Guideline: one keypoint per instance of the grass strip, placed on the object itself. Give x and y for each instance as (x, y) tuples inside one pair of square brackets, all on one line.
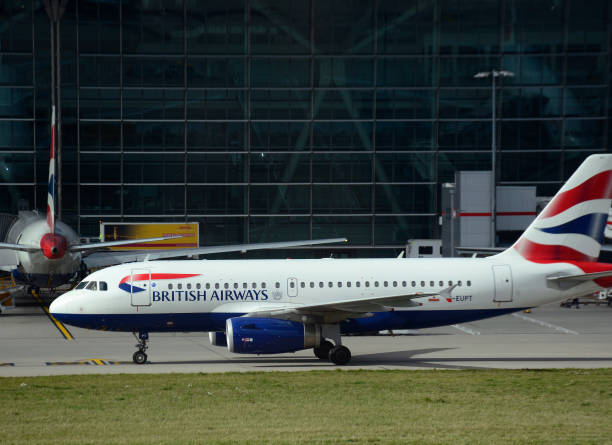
[(450, 407)]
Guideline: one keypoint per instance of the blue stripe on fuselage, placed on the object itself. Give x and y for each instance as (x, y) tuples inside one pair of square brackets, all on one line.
[(202, 322)]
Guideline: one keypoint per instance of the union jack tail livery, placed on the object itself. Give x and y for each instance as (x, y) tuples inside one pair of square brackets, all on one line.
[(571, 227), (51, 192)]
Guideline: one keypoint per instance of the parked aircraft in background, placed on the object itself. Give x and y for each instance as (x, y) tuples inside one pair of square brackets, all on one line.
[(278, 306), (46, 253)]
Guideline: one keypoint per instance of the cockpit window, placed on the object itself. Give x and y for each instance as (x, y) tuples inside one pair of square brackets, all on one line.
[(103, 285), (82, 284), (93, 285)]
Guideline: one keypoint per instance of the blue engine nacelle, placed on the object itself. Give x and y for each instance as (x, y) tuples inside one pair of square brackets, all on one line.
[(253, 335), (217, 338)]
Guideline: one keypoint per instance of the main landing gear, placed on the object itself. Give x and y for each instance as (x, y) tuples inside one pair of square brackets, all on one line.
[(338, 354), (140, 356)]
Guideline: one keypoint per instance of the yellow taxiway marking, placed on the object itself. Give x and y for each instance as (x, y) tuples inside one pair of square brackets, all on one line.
[(58, 324), (90, 361)]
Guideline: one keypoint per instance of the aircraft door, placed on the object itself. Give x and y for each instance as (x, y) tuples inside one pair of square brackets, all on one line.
[(502, 275), (292, 287), (140, 287)]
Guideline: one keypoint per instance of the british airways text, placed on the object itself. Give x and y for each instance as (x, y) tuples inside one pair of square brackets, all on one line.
[(202, 295)]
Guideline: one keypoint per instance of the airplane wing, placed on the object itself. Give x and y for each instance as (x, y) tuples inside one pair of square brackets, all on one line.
[(99, 259), (106, 244), (19, 247), (337, 311)]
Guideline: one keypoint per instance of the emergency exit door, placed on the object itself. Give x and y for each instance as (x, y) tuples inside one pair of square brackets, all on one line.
[(292, 287), (502, 276), (140, 287)]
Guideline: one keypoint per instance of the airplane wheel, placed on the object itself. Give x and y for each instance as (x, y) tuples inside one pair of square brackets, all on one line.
[(340, 355), (322, 351), (139, 357)]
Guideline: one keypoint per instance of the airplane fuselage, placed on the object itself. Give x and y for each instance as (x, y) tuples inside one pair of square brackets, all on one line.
[(201, 295)]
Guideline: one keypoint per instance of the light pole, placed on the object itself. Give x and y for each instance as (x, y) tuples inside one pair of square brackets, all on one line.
[(493, 74)]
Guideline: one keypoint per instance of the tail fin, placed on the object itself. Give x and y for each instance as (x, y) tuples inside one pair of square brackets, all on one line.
[(571, 227), (51, 192)]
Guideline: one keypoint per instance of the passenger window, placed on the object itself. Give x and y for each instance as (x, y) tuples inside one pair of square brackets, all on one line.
[(320, 283), (450, 283), (225, 285), (207, 285), (291, 284), (358, 284), (403, 284), (170, 286), (93, 285), (339, 283), (348, 284), (244, 285), (198, 286), (188, 285), (431, 283), (103, 285), (277, 285), (263, 285), (330, 284), (441, 283), (216, 285), (302, 285), (395, 284), (413, 283), (459, 283), (375, 283), (312, 284), (254, 286), (82, 284), (179, 286), (469, 283), (385, 284), (422, 283), (367, 284), (235, 285)]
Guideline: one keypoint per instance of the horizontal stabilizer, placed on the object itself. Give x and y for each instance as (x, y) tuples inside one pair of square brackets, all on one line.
[(581, 277), (107, 244)]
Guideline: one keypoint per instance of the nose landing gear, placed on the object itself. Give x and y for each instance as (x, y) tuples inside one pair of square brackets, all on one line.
[(140, 356)]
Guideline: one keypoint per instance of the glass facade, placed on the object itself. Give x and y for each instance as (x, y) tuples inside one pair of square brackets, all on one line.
[(270, 120)]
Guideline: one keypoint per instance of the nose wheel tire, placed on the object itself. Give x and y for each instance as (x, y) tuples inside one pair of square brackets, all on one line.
[(139, 357), (322, 351), (340, 355)]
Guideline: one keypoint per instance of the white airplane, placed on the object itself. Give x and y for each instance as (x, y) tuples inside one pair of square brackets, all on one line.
[(46, 253), (278, 306)]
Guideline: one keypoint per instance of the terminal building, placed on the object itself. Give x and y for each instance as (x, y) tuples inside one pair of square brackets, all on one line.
[(271, 120)]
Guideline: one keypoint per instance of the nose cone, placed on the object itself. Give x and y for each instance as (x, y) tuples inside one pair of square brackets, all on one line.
[(63, 305), (53, 246)]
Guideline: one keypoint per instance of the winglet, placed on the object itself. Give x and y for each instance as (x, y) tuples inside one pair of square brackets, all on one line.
[(51, 192)]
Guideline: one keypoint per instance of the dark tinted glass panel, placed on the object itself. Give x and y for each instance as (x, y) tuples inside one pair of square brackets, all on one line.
[(399, 229), (571, 161), (16, 167), (216, 27), (216, 168), (449, 163), (405, 72), (16, 102), (343, 104), (404, 167), (153, 72), (153, 199), (16, 32), (341, 199), (532, 102), (469, 26), (100, 136), (216, 104), (215, 72), (216, 199), (280, 104), (221, 230), (21, 196), (533, 27), (153, 136), (215, 136), (16, 70), (414, 198), (343, 72), (341, 167), (280, 27), (274, 167), (280, 72), (465, 103), (100, 199), (357, 229), (100, 103), (98, 24), (530, 134), (460, 71), (586, 70), (153, 27), (154, 168), (271, 199), (584, 102), (343, 27), (586, 30), (404, 136), (99, 71), (278, 228), (532, 70), (584, 133), (342, 136), (533, 167), (267, 136), (406, 29), (16, 135), (100, 167), (405, 104), (153, 104), (465, 135)]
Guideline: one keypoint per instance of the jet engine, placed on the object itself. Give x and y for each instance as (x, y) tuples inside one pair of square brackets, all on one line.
[(252, 335), (217, 338)]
